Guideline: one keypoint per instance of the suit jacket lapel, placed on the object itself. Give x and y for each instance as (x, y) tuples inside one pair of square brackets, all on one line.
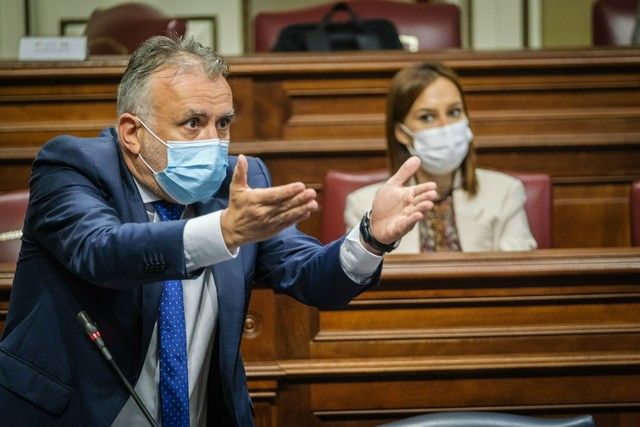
[(467, 211), (230, 287), (231, 292), (149, 293)]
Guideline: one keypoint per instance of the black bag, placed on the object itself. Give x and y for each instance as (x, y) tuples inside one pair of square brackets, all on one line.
[(354, 34)]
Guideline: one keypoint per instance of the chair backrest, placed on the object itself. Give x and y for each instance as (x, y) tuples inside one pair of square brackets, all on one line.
[(539, 206), (434, 25), (490, 419), (120, 29), (338, 184), (13, 207), (634, 219), (613, 21)]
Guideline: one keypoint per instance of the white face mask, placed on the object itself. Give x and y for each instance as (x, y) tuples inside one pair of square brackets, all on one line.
[(441, 149)]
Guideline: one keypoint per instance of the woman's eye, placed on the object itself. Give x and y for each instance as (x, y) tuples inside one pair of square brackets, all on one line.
[(427, 118), (456, 112)]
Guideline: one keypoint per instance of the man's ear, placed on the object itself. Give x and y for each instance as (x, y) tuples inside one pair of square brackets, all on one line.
[(401, 135), (128, 126)]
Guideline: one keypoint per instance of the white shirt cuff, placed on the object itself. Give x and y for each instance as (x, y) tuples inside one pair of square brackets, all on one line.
[(203, 242), (358, 263)]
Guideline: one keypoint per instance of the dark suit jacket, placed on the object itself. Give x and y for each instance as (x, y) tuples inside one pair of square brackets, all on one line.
[(88, 245)]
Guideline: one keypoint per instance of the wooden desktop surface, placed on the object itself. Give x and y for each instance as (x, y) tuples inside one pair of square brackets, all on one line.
[(574, 114)]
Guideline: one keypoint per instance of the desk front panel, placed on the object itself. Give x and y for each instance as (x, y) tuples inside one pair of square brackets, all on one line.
[(547, 333)]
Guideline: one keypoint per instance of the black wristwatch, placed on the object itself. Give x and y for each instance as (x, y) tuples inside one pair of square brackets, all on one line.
[(365, 233)]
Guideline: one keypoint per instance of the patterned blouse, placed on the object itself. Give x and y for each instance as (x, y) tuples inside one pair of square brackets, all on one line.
[(438, 231)]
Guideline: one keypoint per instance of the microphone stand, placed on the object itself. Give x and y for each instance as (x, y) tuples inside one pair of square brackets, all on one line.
[(94, 335)]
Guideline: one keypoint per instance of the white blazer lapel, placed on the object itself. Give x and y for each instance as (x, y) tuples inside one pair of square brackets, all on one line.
[(468, 210), (410, 243)]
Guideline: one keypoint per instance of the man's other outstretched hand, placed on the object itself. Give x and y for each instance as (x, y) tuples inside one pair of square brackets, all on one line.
[(397, 208)]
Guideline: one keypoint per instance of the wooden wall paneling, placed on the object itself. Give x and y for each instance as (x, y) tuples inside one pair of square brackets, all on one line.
[(272, 109), (606, 208), (260, 326), (265, 413), (336, 107), (300, 323), (550, 332), (432, 317), (581, 164), (14, 173), (572, 114), (246, 120), (477, 390), (38, 103)]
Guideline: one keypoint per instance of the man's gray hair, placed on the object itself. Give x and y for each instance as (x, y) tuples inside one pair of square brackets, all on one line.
[(160, 52)]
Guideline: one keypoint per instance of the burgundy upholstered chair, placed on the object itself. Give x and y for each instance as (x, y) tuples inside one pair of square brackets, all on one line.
[(613, 22), (434, 25), (539, 206), (634, 219), (338, 184), (120, 29), (13, 207)]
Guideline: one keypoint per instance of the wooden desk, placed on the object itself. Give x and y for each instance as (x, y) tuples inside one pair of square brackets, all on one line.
[(574, 114), (552, 332)]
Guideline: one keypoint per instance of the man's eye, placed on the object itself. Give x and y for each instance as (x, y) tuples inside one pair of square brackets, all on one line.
[(224, 123), (192, 123)]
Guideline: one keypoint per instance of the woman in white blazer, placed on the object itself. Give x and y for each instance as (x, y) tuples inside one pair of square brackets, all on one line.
[(476, 209)]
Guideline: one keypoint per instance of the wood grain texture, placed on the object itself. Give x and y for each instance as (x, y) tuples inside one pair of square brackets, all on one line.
[(570, 113), (549, 333)]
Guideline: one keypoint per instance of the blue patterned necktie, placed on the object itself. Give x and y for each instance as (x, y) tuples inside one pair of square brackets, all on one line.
[(174, 374)]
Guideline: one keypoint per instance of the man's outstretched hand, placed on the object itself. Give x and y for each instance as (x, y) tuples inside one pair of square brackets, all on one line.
[(396, 207), (255, 214)]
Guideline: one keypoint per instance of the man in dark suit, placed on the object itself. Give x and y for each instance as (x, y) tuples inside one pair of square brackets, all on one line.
[(157, 234)]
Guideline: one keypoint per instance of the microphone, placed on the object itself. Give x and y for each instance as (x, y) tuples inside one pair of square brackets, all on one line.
[(94, 335)]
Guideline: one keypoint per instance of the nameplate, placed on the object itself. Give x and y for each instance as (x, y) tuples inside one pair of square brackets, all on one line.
[(53, 49), (409, 43)]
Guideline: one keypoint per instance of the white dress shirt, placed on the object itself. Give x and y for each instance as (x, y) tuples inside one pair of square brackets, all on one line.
[(204, 246)]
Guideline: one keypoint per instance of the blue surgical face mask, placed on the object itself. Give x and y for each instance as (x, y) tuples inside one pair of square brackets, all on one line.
[(195, 169)]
